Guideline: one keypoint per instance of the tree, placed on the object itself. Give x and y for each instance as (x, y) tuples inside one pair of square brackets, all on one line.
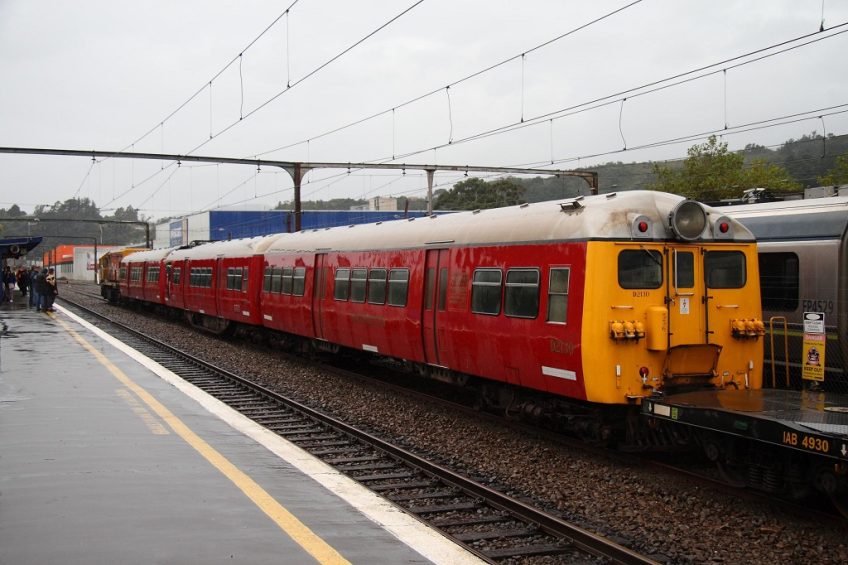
[(838, 174), (474, 193), (711, 172)]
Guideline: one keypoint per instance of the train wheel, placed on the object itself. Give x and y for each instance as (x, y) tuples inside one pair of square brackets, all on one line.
[(840, 502), (730, 476)]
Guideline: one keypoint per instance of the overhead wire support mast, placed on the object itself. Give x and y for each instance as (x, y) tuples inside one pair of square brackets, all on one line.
[(298, 169)]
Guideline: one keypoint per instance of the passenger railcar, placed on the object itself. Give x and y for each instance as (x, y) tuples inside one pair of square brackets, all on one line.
[(601, 300), (803, 260), (109, 265)]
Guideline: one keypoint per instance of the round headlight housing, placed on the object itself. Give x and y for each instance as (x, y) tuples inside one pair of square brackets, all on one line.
[(688, 220)]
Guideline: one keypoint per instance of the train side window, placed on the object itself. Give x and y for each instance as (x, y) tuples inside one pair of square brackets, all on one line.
[(153, 274), (558, 295), (522, 293), (429, 285), (288, 280), (398, 287), (231, 273), (266, 279), (377, 286), (640, 268), (358, 279), (443, 288), (277, 280), (486, 291), (725, 269), (244, 279), (208, 277), (342, 284), (779, 281), (177, 273), (122, 273), (299, 281)]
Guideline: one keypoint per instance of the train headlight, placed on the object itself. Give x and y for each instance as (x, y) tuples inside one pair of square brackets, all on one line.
[(688, 220)]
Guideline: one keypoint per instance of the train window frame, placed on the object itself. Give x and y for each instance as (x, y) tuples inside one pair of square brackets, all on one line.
[(176, 276), (122, 273), (443, 288), (709, 271), (656, 264), (299, 281), (358, 284), (341, 284), (482, 295), (377, 286), (277, 280), (244, 279), (135, 274), (785, 294), (288, 281), (429, 287), (267, 275), (554, 294), (513, 289), (684, 274), (153, 274), (398, 288)]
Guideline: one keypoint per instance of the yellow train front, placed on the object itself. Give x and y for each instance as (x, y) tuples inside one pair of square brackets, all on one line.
[(675, 308)]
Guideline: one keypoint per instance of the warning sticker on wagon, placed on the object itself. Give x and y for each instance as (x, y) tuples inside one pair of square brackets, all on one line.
[(813, 357)]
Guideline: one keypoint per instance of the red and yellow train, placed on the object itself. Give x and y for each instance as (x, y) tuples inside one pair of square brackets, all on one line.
[(591, 301)]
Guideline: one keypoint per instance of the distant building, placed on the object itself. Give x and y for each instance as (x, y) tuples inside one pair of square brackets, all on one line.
[(76, 262), (384, 203), (233, 224)]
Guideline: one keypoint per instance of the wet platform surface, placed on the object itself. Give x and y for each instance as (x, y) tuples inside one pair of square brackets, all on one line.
[(93, 471)]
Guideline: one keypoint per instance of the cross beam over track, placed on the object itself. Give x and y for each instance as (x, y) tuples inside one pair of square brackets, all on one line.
[(298, 169)]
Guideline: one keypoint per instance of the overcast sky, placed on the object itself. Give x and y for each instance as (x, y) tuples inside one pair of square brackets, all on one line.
[(101, 74)]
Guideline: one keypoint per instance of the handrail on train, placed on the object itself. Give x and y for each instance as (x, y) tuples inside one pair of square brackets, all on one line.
[(772, 321)]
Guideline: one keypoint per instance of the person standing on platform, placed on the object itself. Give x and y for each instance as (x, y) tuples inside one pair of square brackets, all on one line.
[(33, 287), (51, 290), (8, 282), (23, 280), (42, 286)]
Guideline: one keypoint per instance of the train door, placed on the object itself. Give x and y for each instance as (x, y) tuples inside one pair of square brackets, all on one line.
[(435, 298), (692, 357), (320, 283), (686, 296)]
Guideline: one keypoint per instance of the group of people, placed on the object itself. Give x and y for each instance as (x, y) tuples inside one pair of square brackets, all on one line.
[(40, 283)]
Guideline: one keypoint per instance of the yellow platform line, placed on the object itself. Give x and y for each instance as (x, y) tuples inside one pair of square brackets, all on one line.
[(294, 528)]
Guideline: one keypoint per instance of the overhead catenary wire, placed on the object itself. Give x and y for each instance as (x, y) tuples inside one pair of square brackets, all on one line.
[(209, 82), (456, 82), (243, 116), (638, 91)]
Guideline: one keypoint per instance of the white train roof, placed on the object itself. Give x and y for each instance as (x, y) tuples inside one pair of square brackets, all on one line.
[(230, 248), (606, 216), (149, 255), (814, 218)]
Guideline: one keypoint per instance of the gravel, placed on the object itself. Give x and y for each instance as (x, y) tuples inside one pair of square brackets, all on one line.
[(655, 512)]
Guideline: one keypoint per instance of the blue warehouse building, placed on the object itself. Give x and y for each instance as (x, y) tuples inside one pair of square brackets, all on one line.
[(234, 224)]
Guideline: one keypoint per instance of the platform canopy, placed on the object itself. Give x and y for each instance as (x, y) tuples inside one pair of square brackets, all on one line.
[(15, 247)]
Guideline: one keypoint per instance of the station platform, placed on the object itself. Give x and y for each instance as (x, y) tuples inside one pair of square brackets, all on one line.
[(106, 457)]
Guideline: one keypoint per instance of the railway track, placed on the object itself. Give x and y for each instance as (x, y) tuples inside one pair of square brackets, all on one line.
[(490, 524)]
